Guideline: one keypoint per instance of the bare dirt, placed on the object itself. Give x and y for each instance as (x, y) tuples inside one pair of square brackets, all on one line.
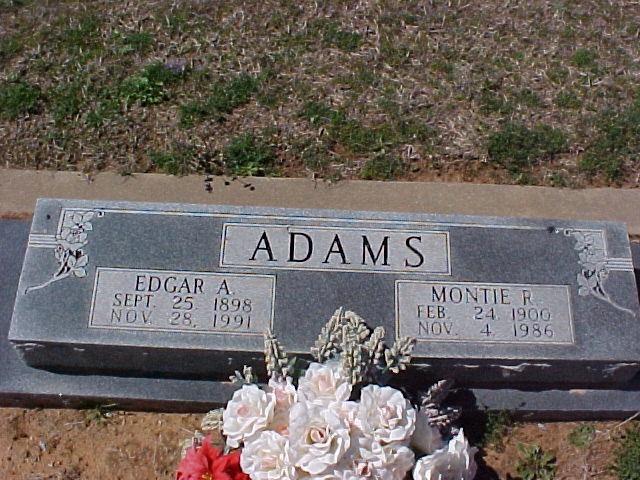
[(74, 445)]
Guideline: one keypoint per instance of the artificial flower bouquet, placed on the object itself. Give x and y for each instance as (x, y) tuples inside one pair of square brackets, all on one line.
[(337, 420)]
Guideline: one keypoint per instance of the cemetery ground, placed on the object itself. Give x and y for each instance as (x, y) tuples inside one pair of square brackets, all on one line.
[(100, 443), (526, 93)]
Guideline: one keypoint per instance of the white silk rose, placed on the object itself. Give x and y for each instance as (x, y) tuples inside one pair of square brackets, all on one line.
[(324, 383), (319, 437), (426, 439), (267, 457), (453, 462), (385, 415), (248, 412), (389, 462), (377, 462), (285, 395)]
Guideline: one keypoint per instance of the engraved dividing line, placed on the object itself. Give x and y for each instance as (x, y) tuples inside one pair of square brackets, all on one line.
[(620, 264)]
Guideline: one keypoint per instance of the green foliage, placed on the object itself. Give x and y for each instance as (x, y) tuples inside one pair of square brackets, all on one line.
[(139, 42), (584, 58), (568, 100), (382, 167), (527, 98), (535, 464), (246, 155), (178, 161), (18, 98), (82, 34), (618, 138), (105, 109), (492, 101), (9, 46), (66, 100), (358, 138), (496, 427), (100, 414), (334, 36), (516, 146), (627, 455), (557, 73), (148, 87), (225, 96), (582, 435)]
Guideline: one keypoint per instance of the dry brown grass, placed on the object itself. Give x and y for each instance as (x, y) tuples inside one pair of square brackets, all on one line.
[(416, 89)]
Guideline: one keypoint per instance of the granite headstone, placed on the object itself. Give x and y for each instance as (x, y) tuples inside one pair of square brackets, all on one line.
[(188, 290)]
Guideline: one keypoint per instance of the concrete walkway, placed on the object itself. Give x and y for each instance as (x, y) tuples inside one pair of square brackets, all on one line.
[(19, 190)]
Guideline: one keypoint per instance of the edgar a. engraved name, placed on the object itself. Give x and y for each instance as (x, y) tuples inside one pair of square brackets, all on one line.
[(301, 247)]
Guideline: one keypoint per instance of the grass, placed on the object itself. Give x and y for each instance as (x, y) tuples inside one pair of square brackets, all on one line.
[(535, 464), (568, 100), (138, 42), (9, 47), (382, 167), (18, 99), (617, 139), (66, 100), (516, 147), (225, 96), (357, 138), (177, 161), (344, 87), (334, 36), (248, 155), (627, 455), (81, 35), (584, 59)]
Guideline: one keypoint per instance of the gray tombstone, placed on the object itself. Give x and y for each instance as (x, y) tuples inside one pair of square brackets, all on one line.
[(189, 290)]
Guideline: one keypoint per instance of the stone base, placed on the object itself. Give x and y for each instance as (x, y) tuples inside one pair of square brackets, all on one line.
[(23, 386)]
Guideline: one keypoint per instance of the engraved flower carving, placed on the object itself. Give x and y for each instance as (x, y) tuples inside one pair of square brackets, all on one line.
[(75, 227), (69, 253)]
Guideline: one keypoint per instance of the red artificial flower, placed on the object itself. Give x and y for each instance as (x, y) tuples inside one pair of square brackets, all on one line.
[(207, 463)]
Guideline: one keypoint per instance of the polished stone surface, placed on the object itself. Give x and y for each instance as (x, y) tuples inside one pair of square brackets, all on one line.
[(187, 290)]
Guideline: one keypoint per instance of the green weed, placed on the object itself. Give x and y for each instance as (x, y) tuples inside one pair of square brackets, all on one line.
[(557, 73), (225, 96), (18, 98), (627, 455), (382, 167), (178, 161), (148, 87), (139, 42), (584, 58), (82, 35), (496, 427), (527, 98), (67, 100), (568, 100), (535, 464), (334, 36), (358, 138), (516, 146), (99, 414), (9, 47), (492, 101), (246, 155), (618, 138), (582, 435)]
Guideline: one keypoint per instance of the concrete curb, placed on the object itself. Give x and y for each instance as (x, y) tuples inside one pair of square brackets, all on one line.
[(19, 190)]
